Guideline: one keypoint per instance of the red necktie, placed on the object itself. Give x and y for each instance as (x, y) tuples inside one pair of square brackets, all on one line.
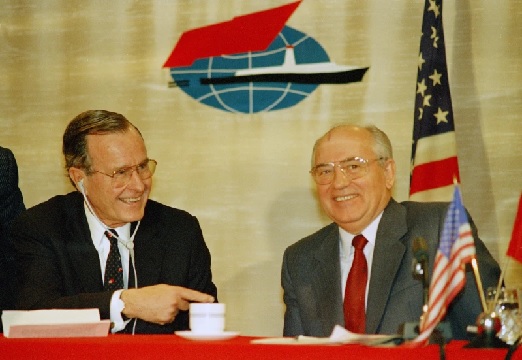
[(355, 292)]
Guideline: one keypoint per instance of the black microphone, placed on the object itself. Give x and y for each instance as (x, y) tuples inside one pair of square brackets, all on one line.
[(420, 253)]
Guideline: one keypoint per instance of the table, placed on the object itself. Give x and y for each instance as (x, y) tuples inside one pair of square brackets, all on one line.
[(456, 350), (158, 347)]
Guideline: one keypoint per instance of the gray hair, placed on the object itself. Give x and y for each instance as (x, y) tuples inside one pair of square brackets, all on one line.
[(90, 122), (381, 143)]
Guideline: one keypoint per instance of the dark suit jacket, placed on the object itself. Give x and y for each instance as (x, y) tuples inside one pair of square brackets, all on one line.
[(59, 265), (312, 287), (11, 204)]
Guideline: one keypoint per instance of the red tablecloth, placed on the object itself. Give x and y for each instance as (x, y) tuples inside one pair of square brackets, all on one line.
[(141, 347), (154, 347), (456, 350)]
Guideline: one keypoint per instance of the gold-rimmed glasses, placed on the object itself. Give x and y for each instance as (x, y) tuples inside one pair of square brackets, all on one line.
[(122, 176), (353, 168)]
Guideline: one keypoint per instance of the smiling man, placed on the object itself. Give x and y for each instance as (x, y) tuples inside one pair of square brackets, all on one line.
[(357, 271), (107, 245)]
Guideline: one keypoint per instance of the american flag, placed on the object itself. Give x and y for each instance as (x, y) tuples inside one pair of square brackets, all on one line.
[(434, 155), (456, 248)]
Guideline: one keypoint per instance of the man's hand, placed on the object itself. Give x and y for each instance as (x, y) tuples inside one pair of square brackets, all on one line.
[(160, 303)]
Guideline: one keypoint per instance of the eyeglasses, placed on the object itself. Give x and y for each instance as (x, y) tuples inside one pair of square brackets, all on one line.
[(122, 176), (353, 168)]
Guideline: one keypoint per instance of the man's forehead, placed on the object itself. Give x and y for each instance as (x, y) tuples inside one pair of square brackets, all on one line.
[(349, 136), (114, 144), (341, 144)]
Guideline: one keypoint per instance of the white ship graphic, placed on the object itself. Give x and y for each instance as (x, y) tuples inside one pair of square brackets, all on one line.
[(290, 72)]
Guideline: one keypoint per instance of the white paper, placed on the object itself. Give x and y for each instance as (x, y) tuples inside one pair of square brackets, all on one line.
[(339, 336), (54, 323)]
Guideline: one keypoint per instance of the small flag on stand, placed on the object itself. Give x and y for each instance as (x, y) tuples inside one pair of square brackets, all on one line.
[(515, 244), (514, 248), (434, 164), (456, 248)]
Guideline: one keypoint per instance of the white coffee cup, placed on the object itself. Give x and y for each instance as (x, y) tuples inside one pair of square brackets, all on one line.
[(208, 318)]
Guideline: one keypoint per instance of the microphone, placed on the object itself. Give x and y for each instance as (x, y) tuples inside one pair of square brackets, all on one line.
[(411, 330), (420, 264)]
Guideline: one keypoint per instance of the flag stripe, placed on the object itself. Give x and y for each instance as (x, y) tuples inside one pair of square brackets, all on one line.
[(435, 147), (424, 178)]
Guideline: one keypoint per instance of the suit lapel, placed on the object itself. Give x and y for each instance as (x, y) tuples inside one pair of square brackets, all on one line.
[(326, 273), (83, 254), (387, 258), (85, 259)]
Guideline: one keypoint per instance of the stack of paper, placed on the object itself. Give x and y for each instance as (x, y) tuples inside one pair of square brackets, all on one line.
[(54, 323), (339, 336)]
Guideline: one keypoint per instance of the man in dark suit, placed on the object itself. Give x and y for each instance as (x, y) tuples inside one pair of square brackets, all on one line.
[(11, 205), (63, 245), (354, 170)]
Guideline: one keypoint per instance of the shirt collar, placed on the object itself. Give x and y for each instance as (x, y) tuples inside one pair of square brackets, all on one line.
[(98, 231), (370, 233)]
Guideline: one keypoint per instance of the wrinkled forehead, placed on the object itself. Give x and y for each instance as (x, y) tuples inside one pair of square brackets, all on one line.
[(122, 147), (341, 143)]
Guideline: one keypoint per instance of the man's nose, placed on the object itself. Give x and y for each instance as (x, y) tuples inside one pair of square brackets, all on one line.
[(340, 178), (135, 181)]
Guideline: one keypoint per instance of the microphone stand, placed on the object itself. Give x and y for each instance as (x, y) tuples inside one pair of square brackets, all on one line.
[(419, 271), (442, 332)]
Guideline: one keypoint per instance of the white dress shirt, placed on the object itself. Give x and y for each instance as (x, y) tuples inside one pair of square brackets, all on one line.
[(103, 245)]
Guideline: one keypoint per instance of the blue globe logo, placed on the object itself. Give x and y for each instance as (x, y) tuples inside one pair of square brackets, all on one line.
[(253, 63), (251, 97)]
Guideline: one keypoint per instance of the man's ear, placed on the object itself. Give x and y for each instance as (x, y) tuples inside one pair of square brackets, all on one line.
[(389, 172), (76, 176)]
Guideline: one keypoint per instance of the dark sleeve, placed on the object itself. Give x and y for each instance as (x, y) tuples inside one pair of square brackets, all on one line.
[(200, 273), (193, 252), (11, 200), (170, 249), (11, 205), (292, 318), (175, 255)]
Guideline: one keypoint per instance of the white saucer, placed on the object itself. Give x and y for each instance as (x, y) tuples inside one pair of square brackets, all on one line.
[(205, 336)]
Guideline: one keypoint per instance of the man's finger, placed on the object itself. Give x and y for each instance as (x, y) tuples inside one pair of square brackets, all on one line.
[(193, 295)]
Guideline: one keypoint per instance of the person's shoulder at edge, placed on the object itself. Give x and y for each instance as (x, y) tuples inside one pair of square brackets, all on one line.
[(313, 240)]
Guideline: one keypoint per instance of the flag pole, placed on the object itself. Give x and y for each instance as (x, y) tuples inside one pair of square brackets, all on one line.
[(479, 284), (514, 248), (500, 281), (474, 265)]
